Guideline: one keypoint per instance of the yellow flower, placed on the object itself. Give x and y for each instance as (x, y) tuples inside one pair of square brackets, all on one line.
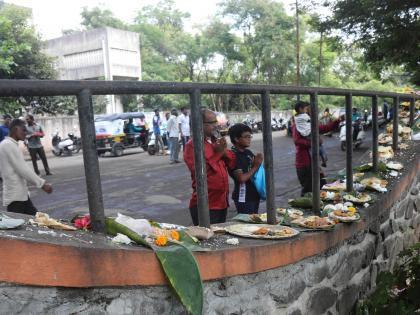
[(161, 240), (175, 235), (351, 209)]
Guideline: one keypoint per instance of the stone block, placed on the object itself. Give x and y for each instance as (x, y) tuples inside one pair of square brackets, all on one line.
[(392, 246), (375, 227), (315, 273), (347, 299), (369, 251), (401, 207), (409, 212), (357, 238), (287, 290), (378, 245), (335, 262), (386, 229), (409, 239), (394, 225), (417, 203), (320, 300), (403, 225), (373, 276), (415, 221), (294, 311)]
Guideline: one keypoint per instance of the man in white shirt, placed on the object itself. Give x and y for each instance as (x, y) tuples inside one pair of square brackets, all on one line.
[(173, 132), (16, 172), (184, 126)]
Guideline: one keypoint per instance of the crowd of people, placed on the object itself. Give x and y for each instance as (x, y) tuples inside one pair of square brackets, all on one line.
[(237, 162)]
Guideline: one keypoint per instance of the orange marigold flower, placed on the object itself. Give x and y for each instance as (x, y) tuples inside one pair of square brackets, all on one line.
[(175, 235), (161, 240), (351, 209)]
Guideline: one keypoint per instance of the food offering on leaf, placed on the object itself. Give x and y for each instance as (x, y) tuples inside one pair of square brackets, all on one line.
[(404, 114), (374, 183), (302, 202), (358, 176), (315, 222), (330, 196), (359, 198), (345, 215), (43, 219), (385, 153), (394, 166), (403, 146), (384, 139), (292, 213), (335, 186), (262, 231)]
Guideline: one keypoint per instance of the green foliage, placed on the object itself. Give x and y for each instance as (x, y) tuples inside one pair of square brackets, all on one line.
[(387, 31), (397, 292)]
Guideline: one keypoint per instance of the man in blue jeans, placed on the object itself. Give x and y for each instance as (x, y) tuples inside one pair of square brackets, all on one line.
[(173, 131)]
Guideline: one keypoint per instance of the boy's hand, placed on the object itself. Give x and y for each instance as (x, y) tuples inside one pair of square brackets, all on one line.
[(258, 159)]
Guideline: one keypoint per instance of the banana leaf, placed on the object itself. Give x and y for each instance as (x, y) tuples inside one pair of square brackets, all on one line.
[(183, 274), (178, 264)]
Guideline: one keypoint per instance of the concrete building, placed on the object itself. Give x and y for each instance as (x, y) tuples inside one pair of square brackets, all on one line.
[(103, 53)]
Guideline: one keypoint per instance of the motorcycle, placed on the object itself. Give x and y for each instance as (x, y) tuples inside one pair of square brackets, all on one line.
[(68, 146), (251, 123), (360, 137)]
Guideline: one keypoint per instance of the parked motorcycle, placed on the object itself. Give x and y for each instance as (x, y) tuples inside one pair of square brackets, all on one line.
[(360, 137), (251, 123), (67, 146)]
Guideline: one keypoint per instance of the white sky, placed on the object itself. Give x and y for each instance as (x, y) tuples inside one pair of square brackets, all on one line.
[(52, 16)]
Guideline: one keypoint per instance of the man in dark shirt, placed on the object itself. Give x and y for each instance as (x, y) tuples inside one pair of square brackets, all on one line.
[(245, 195)]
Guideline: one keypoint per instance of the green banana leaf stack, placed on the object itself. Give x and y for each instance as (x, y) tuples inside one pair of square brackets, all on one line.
[(177, 262)]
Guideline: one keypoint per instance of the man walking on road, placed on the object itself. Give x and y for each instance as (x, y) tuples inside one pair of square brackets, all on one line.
[(173, 131), (184, 126), (157, 123), (218, 159), (15, 172), (34, 135)]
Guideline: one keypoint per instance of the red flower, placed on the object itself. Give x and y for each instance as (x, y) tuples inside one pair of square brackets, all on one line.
[(83, 222)]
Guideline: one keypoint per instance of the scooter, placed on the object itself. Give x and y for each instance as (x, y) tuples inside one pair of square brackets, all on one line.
[(68, 146), (361, 135)]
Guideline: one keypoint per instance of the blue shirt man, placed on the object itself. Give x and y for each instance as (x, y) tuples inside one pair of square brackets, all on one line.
[(4, 129)]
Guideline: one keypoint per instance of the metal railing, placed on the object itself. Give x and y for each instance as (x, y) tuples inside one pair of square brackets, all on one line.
[(85, 89)]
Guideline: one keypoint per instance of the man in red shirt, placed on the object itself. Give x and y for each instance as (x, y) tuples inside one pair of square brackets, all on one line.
[(303, 146), (218, 158)]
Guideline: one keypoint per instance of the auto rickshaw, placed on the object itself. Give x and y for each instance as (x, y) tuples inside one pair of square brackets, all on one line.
[(113, 134)]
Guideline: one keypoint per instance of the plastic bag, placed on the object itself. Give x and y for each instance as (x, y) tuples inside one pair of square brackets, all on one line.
[(259, 182), (140, 226)]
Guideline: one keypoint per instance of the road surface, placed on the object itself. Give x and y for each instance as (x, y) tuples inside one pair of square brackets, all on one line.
[(141, 185)]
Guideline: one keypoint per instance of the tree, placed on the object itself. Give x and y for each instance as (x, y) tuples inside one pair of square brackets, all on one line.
[(21, 55), (99, 17), (387, 31)]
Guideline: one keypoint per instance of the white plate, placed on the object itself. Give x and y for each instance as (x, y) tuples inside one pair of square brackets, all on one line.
[(246, 230)]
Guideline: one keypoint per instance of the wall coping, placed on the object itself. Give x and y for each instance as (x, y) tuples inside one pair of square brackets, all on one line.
[(50, 261)]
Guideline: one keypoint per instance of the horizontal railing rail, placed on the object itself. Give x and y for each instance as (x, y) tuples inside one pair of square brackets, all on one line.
[(85, 89)]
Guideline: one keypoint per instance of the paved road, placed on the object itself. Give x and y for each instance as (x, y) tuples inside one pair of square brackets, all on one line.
[(148, 186)]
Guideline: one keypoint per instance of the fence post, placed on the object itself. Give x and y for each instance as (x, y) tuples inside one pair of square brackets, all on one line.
[(375, 133), (412, 108), (349, 143), (315, 154), (395, 124), (91, 163), (268, 157), (199, 160)]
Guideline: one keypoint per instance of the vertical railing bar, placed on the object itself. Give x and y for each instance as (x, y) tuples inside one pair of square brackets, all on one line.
[(315, 154), (199, 160), (268, 158), (349, 143), (91, 162), (375, 132), (395, 124), (412, 108)]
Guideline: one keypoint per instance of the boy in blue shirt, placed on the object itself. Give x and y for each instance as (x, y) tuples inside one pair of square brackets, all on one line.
[(245, 195)]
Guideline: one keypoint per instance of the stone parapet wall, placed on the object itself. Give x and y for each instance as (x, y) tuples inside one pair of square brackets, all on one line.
[(319, 273)]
